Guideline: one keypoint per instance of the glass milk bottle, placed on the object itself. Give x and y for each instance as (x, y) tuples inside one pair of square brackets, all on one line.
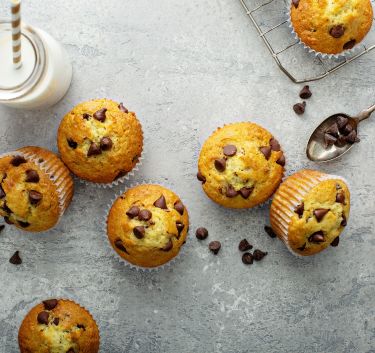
[(44, 76)]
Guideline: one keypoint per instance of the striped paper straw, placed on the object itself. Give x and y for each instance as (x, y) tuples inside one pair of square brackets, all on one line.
[(16, 32)]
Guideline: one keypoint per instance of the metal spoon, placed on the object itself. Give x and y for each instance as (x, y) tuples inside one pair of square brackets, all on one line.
[(316, 148)]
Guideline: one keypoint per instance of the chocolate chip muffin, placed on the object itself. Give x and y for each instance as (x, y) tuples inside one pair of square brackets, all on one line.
[(331, 27), (240, 165), (100, 140), (35, 188), (58, 326), (309, 211), (147, 225)]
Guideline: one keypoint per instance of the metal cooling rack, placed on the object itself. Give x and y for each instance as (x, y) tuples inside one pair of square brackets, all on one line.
[(271, 22)]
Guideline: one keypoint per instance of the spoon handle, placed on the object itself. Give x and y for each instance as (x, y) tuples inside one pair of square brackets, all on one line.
[(366, 113)]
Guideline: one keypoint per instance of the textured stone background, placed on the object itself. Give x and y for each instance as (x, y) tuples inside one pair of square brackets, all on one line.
[(186, 68)]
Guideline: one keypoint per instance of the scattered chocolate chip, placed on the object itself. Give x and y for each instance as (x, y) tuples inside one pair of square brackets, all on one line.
[(266, 150), (230, 150), (340, 197), (299, 108), (305, 92), (16, 259), (333, 130), (119, 245), (2, 192), (319, 213), (106, 144), (329, 140), (259, 254), (317, 237), (35, 197), (23, 224), (295, 3), (215, 247), (43, 317), (201, 233), (32, 176), (247, 258), (139, 232), (302, 248), (179, 207), (352, 137), (50, 304), (94, 150), (168, 246), (86, 116), (133, 212), (17, 160), (145, 215), (335, 242), (231, 192), (349, 45), (245, 192), (281, 160), (2, 227), (344, 221), (244, 245), (270, 231), (220, 164), (56, 321), (337, 31), (275, 146), (341, 121), (100, 115), (180, 227), (122, 108), (161, 203), (300, 209), (72, 143), (201, 177)]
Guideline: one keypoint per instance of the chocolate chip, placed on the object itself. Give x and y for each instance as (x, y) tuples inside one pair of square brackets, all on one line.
[(139, 232), (220, 164), (168, 246), (270, 231), (349, 45), (81, 326), (347, 129), (180, 227), (335, 242), (215, 247), (6, 208), (16, 259), (32, 176), (341, 141), (94, 150), (133, 212), (275, 146), (299, 210), (317, 237), (266, 150), (352, 137), (17, 160), (329, 140), (119, 245), (43, 317), (230, 150), (50, 304), (2, 227), (56, 321), (145, 215), (70, 350), (201, 177), (161, 203), (2, 192), (259, 254), (179, 207), (302, 248), (333, 130), (337, 31), (72, 143), (100, 115), (122, 108), (295, 3), (201, 233), (7, 220), (299, 108), (35, 197), (341, 121), (281, 160), (247, 258), (120, 174), (344, 221), (305, 92), (244, 245), (106, 144), (245, 192), (319, 213), (231, 192), (340, 197), (23, 224), (86, 116)]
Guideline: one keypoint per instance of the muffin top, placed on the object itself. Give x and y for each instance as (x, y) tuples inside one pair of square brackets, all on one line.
[(320, 217), (240, 165), (58, 326), (29, 197), (147, 225), (331, 26), (100, 140)]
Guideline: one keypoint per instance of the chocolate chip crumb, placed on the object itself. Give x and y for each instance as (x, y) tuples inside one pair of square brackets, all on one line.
[(16, 259), (201, 233), (214, 247), (244, 245)]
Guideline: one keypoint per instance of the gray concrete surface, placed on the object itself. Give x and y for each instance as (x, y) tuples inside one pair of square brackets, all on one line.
[(186, 68)]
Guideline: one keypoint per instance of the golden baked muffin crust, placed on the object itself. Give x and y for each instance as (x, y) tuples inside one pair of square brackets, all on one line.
[(58, 326), (100, 140), (240, 165), (35, 188), (147, 225), (316, 219), (331, 26)]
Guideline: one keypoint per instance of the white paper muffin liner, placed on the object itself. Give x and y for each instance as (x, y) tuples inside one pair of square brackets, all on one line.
[(58, 173), (344, 54), (118, 257), (287, 199)]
